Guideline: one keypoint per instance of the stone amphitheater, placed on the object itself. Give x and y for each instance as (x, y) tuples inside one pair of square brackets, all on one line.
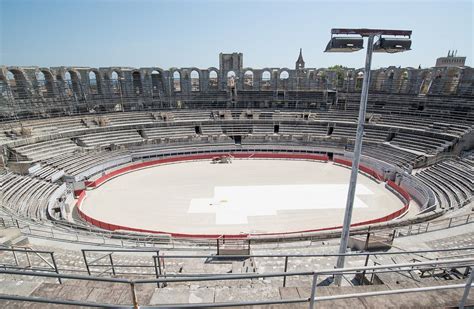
[(66, 131)]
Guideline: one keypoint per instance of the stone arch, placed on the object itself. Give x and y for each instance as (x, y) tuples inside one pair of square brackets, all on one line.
[(359, 80), (137, 83), (95, 86), (73, 81), (113, 81), (452, 80), (40, 79), (213, 81), (248, 79), (195, 78), (176, 80), (17, 81), (231, 79), (157, 82), (403, 81), (284, 75), (266, 80), (426, 79), (378, 80)]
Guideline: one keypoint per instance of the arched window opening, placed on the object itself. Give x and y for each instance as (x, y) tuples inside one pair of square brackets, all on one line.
[(114, 83), (391, 75), (156, 83), (195, 82), (213, 81), (48, 83), (176, 81), (266, 80), (137, 83), (359, 80), (93, 83), (10, 77), (266, 76), (41, 83), (231, 79), (17, 84), (68, 81), (248, 79), (284, 75), (426, 84)]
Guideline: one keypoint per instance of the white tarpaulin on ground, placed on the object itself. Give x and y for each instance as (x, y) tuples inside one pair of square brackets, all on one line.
[(234, 204)]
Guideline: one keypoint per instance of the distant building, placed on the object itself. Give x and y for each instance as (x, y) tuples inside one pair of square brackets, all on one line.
[(452, 60), (300, 62)]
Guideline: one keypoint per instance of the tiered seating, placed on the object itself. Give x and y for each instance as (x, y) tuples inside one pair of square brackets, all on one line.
[(452, 181), (306, 128), (192, 115), (389, 154), (84, 165), (44, 150), (47, 173), (344, 131), (52, 126), (237, 129), (208, 129), (117, 119), (26, 196), (422, 144), (175, 132), (375, 135), (263, 129), (103, 139)]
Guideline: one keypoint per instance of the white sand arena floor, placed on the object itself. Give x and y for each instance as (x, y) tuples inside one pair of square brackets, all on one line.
[(249, 196)]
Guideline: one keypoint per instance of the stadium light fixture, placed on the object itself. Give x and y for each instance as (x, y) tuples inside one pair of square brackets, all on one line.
[(390, 42), (344, 45)]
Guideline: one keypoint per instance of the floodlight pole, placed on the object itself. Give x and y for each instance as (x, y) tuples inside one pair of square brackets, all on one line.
[(356, 159)]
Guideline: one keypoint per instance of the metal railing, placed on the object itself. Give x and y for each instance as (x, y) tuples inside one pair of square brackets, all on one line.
[(311, 301), (30, 253), (88, 235), (104, 262)]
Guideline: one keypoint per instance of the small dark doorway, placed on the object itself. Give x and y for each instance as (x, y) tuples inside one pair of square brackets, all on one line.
[(391, 135), (276, 129), (237, 139), (330, 156), (330, 130), (198, 130)]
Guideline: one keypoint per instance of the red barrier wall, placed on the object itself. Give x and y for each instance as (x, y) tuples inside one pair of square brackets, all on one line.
[(113, 227), (362, 167)]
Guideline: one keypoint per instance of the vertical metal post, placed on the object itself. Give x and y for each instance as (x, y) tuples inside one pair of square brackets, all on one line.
[(286, 268), (355, 160), (28, 258), (15, 257), (134, 295), (112, 263), (156, 269), (466, 290), (313, 291), (85, 262), (55, 267), (450, 220)]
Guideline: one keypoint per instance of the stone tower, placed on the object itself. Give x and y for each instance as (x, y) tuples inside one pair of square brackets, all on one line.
[(300, 62)]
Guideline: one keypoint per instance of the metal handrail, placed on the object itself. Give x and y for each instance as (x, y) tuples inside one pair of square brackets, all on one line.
[(314, 298), (102, 235)]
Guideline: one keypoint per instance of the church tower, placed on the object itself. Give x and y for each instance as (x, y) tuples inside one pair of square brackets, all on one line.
[(300, 61)]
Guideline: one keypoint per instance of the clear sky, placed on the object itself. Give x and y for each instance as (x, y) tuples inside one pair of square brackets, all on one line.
[(174, 33)]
